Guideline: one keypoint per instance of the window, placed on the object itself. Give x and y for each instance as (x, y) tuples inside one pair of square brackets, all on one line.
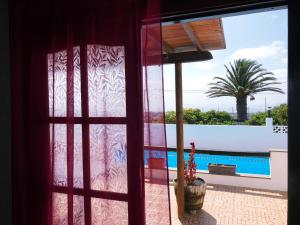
[(88, 135)]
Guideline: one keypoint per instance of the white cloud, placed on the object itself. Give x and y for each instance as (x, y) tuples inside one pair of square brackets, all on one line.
[(280, 74), (274, 48), (199, 83)]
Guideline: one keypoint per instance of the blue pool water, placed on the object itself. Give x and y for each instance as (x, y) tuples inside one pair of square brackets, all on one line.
[(245, 164)]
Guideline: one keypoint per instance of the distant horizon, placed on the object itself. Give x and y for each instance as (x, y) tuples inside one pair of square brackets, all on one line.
[(218, 110), (230, 112), (258, 36)]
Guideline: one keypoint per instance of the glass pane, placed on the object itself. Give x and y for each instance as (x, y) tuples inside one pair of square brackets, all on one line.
[(57, 83), (108, 154), (60, 154), (60, 209), (78, 210), (78, 169), (109, 212), (106, 81), (77, 82)]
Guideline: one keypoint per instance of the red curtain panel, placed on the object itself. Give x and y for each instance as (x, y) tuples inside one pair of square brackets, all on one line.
[(89, 144)]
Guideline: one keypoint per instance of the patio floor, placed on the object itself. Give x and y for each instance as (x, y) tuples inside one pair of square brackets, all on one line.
[(226, 205)]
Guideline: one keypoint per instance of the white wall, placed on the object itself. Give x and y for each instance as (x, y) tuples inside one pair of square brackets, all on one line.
[(278, 180), (240, 138)]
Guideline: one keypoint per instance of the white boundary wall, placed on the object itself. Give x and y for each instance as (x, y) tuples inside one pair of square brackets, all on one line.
[(239, 138), (278, 180)]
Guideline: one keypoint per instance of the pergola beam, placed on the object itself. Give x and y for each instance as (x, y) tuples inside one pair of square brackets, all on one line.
[(167, 48), (185, 57), (187, 28)]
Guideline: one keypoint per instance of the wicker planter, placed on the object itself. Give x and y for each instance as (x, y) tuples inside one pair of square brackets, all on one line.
[(193, 195), (222, 169)]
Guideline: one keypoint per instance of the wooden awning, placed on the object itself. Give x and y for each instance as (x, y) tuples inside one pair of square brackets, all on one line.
[(192, 41)]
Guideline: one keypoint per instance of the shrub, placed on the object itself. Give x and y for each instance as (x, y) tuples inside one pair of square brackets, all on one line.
[(278, 113), (213, 117), (192, 116), (195, 116), (257, 119), (171, 117)]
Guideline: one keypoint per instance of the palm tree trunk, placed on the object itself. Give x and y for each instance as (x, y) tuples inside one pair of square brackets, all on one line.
[(241, 107)]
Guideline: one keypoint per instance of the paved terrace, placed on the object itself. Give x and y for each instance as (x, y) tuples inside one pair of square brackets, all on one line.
[(226, 205)]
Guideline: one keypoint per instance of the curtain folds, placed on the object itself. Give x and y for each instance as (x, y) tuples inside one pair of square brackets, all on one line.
[(155, 150), (89, 142)]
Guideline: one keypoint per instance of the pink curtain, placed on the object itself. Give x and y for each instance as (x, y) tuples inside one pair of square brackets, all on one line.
[(155, 153), (82, 146)]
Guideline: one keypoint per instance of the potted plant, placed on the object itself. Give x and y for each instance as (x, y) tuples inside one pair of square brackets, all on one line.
[(194, 187)]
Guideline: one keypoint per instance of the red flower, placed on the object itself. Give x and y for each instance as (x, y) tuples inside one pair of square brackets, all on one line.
[(190, 166)]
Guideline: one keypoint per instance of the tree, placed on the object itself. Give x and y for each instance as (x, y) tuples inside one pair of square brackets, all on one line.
[(278, 113), (245, 78)]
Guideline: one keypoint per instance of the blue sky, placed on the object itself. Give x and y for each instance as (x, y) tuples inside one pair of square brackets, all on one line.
[(260, 36)]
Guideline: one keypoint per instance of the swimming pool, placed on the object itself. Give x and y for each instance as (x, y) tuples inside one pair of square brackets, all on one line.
[(245, 164)]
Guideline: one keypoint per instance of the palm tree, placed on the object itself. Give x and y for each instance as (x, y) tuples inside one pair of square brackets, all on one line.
[(245, 78)]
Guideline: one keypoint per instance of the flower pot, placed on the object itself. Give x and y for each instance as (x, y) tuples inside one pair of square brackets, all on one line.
[(193, 194)]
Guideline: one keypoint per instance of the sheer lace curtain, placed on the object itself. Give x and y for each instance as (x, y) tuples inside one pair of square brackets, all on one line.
[(78, 92), (155, 153)]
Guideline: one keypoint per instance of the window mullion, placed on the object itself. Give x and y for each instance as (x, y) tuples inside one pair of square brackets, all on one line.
[(85, 133)]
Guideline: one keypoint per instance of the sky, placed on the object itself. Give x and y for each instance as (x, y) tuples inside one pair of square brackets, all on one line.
[(260, 36)]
